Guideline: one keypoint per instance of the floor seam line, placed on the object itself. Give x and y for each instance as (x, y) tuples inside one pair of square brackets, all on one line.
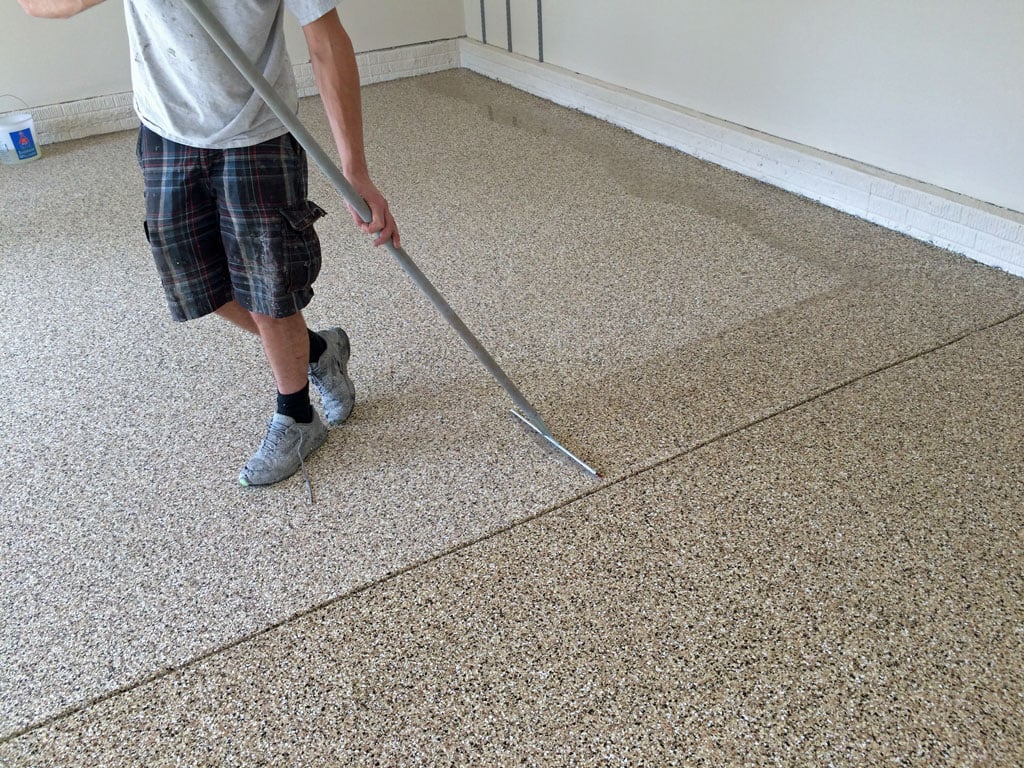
[(812, 398), (185, 665), (168, 671)]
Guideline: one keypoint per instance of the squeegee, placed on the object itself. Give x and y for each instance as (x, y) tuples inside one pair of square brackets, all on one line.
[(526, 413)]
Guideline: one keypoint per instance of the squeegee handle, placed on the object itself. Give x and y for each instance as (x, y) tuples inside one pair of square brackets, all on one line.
[(227, 44)]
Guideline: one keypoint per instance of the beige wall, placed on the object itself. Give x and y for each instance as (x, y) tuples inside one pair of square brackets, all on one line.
[(48, 62), (928, 89)]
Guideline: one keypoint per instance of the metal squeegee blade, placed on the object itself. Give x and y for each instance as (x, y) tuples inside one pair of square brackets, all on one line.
[(550, 440)]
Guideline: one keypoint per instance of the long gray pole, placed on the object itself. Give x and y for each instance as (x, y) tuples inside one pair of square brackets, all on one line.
[(231, 49)]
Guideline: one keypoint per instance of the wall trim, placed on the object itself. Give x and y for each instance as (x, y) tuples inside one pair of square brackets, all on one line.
[(983, 232), (85, 117), (107, 114)]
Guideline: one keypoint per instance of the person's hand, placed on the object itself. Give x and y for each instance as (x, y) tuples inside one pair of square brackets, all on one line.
[(382, 225), (56, 9)]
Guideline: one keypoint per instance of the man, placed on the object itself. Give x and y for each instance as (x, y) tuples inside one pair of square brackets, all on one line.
[(227, 215)]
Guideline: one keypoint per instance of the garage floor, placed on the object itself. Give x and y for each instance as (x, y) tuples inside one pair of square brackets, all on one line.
[(807, 548)]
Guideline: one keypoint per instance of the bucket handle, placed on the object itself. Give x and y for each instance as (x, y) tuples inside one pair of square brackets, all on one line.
[(16, 98)]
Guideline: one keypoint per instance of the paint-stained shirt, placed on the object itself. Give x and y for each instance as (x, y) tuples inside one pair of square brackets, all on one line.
[(187, 90)]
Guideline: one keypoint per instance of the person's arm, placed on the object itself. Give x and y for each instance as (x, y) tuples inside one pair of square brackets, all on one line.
[(337, 77), (56, 9)]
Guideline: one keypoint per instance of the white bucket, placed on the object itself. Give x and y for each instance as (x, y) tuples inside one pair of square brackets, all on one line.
[(17, 139)]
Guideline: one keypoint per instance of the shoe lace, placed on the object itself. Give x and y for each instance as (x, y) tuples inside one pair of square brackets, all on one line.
[(305, 475), (275, 432)]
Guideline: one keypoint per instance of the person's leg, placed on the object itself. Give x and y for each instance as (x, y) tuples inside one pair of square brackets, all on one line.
[(274, 257), (186, 230), (270, 216), (235, 313), (328, 352), (286, 344)]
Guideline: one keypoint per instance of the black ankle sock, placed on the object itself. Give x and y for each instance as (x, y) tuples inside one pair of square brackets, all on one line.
[(296, 405), (317, 345)]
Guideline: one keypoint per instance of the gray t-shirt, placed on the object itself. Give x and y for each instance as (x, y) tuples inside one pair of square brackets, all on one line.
[(188, 91)]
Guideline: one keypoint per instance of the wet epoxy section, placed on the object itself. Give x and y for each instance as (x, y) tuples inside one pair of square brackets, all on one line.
[(646, 279), (646, 303), (838, 586)]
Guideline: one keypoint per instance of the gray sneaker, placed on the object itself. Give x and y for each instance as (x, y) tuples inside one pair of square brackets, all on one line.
[(283, 450), (329, 375)]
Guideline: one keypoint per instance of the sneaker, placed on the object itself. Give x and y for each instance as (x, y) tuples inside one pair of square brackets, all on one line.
[(330, 376), (283, 450)]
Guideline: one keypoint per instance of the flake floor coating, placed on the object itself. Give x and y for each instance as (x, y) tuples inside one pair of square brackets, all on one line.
[(807, 548)]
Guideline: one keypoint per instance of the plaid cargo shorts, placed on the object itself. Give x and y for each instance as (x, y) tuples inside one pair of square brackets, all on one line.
[(229, 224)]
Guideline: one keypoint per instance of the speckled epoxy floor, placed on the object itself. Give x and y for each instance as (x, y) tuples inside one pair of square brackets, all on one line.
[(806, 549)]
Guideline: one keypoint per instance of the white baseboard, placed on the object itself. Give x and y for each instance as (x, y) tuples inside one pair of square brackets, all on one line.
[(106, 114), (392, 64), (983, 232), (86, 117)]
